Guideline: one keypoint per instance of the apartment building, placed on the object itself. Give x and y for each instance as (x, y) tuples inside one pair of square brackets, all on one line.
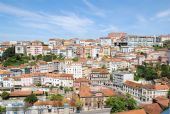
[(134, 40), (120, 77), (46, 79), (75, 69), (145, 92), (99, 76), (105, 41)]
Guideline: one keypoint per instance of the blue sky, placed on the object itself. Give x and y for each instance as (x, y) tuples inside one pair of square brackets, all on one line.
[(44, 19)]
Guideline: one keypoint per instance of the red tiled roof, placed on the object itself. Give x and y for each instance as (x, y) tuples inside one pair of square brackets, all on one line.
[(152, 108), (85, 92), (24, 93), (139, 111)]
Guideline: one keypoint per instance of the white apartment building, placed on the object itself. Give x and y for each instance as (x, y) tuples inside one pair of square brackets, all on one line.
[(114, 64), (75, 69), (120, 77), (105, 41), (53, 79), (43, 67), (20, 49), (145, 92), (96, 52), (34, 50), (126, 49), (134, 40)]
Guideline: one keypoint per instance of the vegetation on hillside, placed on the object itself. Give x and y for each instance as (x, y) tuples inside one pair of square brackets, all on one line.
[(9, 58), (31, 99), (5, 95), (121, 103), (2, 109), (152, 71)]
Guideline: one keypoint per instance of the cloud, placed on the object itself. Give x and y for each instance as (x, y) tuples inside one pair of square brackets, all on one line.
[(163, 14), (97, 11), (70, 22), (108, 29)]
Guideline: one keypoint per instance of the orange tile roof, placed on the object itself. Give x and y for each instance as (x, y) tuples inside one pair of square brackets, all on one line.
[(85, 92), (108, 92), (99, 70), (139, 111), (24, 93), (152, 108), (133, 84), (147, 86), (163, 101), (4, 72), (52, 103), (78, 80)]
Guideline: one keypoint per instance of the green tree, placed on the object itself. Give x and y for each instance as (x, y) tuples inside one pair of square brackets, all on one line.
[(75, 59), (61, 87), (10, 52), (165, 70), (169, 94), (78, 103), (56, 97), (31, 99), (66, 89), (60, 57), (2, 109), (104, 66), (5, 95), (121, 103), (39, 57)]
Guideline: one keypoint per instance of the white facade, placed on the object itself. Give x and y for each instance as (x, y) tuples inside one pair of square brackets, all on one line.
[(126, 49), (34, 50), (75, 69), (105, 41), (19, 49), (145, 92), (120, 77), (43, 79)]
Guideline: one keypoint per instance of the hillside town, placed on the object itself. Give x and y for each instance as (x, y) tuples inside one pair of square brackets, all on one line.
[(67, 76)]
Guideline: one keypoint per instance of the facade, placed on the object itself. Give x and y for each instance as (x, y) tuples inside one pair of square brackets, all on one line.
[(46, 79), (75, 69), (99, 76), (120, 77), (105, 41), (34, 50), (145, 92), (20, 49), (94, 98), (133, 40)]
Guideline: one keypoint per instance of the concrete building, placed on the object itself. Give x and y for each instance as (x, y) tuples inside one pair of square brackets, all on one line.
[(134, 40), (145, 92), (75, 69), (120, 77), (99, 76)]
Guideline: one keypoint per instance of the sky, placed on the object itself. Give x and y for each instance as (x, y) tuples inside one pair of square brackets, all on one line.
[(84, 19)]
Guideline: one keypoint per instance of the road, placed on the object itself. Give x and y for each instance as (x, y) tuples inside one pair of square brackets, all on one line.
[(103, 111)]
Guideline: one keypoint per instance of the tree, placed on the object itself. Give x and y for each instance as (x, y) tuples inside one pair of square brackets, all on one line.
[(104, 66), (75, 59), (31, 99), (56, 97), (10, 52), (5, 95), (169, 94), (61, 87), (66, 89), (78, 104), (2, 109), (121, 103), (89, 57)]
